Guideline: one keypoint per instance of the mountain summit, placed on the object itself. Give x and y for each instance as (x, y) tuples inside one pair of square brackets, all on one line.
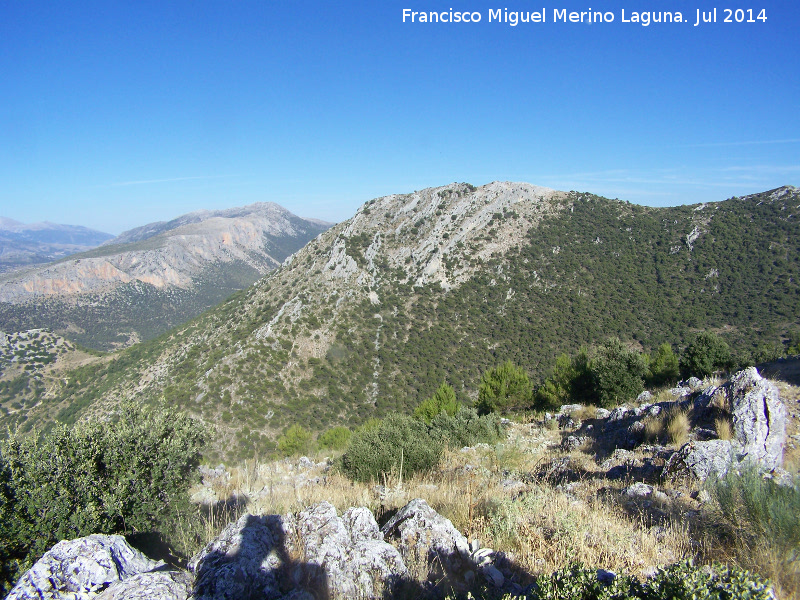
[(441, 284), (148, 279)]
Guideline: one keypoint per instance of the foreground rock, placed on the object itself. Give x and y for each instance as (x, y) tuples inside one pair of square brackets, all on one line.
[(311, 554), (82, 568), (315, 551), (759, 429)]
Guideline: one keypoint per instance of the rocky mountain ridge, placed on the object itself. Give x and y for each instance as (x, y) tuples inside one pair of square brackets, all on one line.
[(165, 265), (443, 283)]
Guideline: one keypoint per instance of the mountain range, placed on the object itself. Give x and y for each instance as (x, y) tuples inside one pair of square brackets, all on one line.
[(439, 285), (23, 245), (149, 279)]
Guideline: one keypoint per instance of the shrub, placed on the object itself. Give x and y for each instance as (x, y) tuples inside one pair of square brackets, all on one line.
[(759, 512), (617, 373), (373, 453), (443, 400), (294, 441), (130, 475), (706, 354), (503, 388), (664, 368), (566, 383), (335, 438), (466, 428), (681, 581)]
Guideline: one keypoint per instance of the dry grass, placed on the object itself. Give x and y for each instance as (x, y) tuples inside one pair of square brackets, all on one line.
[(677, 426), (542, 526), (724, 428)]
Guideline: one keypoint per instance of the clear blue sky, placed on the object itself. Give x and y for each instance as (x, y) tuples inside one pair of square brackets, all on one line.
[(115, 114)]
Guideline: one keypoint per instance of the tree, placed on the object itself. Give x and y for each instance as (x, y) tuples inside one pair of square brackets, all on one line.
[(617, 373), (705, 354), (570, 380), (502, 388), (443, 400), (664, 367), (296, 440)]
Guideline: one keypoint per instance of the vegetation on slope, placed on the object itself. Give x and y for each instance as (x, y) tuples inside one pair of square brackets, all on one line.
[(354, 327)]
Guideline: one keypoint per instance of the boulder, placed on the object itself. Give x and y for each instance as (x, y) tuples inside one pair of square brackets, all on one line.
[(80, 569), (154, 585), (314, 552), (759, 419), (702, 459), (425, 535)]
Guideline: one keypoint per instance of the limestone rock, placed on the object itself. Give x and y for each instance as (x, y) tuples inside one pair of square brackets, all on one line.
[(426, 535), (313, 552), (154, 585), (702, 459), (759, 418), (79, 569)]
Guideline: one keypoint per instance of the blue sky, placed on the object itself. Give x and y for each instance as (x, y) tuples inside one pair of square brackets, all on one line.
[(115, 114)]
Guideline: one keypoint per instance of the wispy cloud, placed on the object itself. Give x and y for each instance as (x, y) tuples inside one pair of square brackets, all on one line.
[(750, 143), (167, 180)]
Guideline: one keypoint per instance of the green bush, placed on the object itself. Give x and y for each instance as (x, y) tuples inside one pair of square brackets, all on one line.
[(617, 373), (373, 453), (664, 367), (706, 354), (294, 441), (335, 438), (569, 382), (128, 475), (759, 512), (443, 400), (681, 581), (466, 428), (503, 388)]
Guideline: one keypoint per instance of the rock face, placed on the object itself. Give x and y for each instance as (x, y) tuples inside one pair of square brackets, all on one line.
[(424, 534), (759, 428), (314, 551), (759, 418), (81, 568), (307, 555)]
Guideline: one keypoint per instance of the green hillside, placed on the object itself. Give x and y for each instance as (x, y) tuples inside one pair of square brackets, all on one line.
[(344, 332)]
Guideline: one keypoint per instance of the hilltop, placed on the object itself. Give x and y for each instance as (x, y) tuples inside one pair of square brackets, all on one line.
[(372, 315)]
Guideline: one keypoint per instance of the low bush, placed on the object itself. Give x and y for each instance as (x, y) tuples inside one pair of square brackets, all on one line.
[(376, 452), (123, 476), (399, 439), (466, 428), (681, 581), (335, 438)]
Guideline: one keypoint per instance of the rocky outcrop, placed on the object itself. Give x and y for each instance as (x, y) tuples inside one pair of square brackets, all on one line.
[(759, 418), (311, 554), (759, 428), (82, 568), (314, 550)]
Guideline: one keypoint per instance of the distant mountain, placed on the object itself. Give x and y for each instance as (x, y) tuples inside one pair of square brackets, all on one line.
[(24, 245), (439, 285), (146, 280)]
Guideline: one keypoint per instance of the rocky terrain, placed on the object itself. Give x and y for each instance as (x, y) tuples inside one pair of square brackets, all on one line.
[(24, 245), (583, 484), (444, 283), (149, 279)]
